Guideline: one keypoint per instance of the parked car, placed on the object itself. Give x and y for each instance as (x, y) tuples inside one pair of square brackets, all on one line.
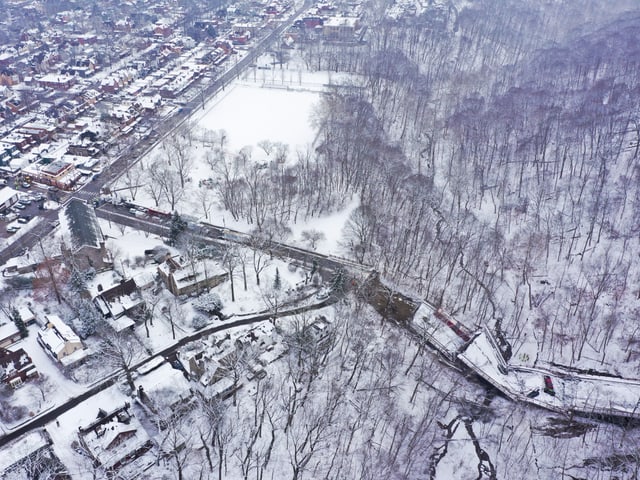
[(26, 185), (19, 206), (13, 228), (548, 386), (533, 393), (24, 219)]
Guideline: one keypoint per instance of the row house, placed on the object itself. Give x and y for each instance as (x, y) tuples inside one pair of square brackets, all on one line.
[(19, 141), (58, 173), (117, 80), (56, 81), (7, 152), (39, 132)]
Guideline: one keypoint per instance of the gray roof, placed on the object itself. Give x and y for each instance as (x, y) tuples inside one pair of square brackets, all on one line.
[(83, 225)]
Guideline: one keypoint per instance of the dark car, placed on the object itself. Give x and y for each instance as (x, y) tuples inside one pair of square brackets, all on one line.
[(533, 393)]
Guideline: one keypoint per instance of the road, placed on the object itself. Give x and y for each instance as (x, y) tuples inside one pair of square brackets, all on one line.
[(213, 234)]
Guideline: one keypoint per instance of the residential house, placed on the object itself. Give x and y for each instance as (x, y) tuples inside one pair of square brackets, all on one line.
[(58, 338), (57, 81), (203, 361), (115, 439), (9, 334), (118, 302), (184, 277), (31, 456), (163, 387), (16, 367), (83, 244), (340, 28)]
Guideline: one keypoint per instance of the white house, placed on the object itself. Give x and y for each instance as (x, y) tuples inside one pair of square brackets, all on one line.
[(58, 338)]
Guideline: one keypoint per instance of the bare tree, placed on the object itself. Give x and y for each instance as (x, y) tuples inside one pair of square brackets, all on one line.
[(121, 350), (312, 237), (178, 153)]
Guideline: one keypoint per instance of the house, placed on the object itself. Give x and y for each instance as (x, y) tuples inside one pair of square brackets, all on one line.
[(8, 197), (58, 338), (162, 387), (31, 456), (9, 334), (340, 28), (118, 302), (184, 278), (115, 439), (83, 244), (57, 81), (16, 367), (203, 361)]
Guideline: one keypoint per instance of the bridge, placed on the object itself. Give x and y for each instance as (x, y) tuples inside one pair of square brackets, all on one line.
[(553, 388)]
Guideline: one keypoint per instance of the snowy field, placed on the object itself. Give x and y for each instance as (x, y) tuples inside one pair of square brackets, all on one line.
[(249, 112)]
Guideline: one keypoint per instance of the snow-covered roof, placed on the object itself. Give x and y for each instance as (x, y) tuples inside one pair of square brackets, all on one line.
[(113, 440), (7, 194), (26, 314), (166, 384), (25, 446), (56, 334), (8, 330)]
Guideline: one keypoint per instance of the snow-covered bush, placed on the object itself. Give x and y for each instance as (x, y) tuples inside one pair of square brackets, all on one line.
[(208, 302), (199, 321)]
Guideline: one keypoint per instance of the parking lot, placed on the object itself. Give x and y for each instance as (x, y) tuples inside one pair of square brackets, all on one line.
[(30, 205)]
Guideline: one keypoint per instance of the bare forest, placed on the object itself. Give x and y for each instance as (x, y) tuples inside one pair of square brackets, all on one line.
[(494, 149)]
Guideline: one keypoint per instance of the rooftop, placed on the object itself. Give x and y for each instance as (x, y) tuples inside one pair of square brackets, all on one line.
[(82, 223)]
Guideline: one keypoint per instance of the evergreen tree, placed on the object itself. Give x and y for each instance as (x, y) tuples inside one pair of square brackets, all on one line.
[(17, 319), (337, 282), (89, 317), (277, 283), (178, 225)]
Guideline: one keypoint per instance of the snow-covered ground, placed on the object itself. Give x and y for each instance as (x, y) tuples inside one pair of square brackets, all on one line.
[(249, 112)]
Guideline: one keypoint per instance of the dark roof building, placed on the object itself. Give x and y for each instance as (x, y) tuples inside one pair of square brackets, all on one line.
[(84, 245), (16, 367)]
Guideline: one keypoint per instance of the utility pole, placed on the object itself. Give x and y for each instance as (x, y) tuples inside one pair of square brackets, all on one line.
[(47, 264)]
